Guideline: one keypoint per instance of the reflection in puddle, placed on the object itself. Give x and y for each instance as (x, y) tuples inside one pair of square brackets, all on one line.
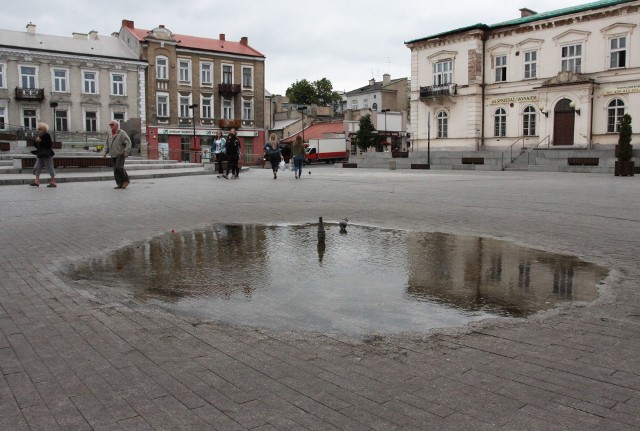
[(366, 281)]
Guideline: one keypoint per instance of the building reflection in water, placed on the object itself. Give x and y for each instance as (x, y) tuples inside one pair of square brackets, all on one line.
[(371, 280)]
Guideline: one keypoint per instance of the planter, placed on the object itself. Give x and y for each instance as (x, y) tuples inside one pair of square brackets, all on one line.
[(624, 169)]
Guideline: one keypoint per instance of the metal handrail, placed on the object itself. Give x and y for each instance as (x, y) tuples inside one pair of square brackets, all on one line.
[(546, 138), (510, 149)]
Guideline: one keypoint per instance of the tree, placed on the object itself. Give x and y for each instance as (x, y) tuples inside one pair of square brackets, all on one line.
[(302, 93), (625, 149), (325, 95), (367, 135)]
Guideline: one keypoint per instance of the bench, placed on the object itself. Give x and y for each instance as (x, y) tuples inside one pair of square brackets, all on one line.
[(473, 160), (28, 162), (420, 166), (583, 161)]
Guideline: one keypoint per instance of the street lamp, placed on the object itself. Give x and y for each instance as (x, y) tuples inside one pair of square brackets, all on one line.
[(193, 121), (302, 109), (54, 105), (385, 121)]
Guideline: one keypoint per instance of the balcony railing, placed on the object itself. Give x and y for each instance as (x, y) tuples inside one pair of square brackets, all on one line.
[(438, 90), (29, 93), (229, 88), (233, 123)]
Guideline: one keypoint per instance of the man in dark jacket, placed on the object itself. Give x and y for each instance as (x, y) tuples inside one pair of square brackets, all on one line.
[(233, 155)]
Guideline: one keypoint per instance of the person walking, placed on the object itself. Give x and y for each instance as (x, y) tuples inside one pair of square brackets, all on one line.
[(44, 153), (274, 151), (220, 151), (233, 155), (118, 146), (297, 151)]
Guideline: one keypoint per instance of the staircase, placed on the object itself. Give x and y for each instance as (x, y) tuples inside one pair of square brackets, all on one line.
[(520, 163)]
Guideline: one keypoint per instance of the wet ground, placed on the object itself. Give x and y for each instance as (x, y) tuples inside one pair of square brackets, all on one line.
[(363, 281)]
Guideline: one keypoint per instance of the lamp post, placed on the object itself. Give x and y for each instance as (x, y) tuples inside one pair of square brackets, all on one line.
[(193, 121), (385, 122), (302, 109), (53, 106)]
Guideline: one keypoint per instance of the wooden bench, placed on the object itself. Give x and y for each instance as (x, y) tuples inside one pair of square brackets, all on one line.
[(420, 166), (28, 162), (583, 161), (473, 160)]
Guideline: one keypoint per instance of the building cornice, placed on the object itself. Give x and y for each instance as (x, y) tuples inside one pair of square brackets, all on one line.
[(64, 58)]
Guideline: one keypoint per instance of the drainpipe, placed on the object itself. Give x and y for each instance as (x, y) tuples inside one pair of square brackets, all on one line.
[(593, 86), (482, 85)]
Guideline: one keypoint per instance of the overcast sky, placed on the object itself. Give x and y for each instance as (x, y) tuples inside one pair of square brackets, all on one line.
[(347, 42)]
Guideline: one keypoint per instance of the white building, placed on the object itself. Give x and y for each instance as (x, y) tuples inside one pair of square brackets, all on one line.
[(85, 81), (561, 79)]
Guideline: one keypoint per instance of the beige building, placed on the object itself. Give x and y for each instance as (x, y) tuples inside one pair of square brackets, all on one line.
[(559, 79), (197, 86)]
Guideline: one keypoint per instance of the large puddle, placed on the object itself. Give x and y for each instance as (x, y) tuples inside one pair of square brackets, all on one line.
[(365, 281)]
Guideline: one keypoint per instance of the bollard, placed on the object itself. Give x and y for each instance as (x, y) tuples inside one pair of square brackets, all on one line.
[(321, 233)]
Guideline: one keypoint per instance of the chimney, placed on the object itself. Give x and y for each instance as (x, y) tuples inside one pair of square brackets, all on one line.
[(221, 36), (244, 40), (93, 35), (372, 82), (386, 79), (79, 35), (526, 12), (31, 28), (128, 23)]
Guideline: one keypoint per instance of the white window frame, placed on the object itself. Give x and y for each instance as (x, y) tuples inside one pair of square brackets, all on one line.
[(614, 53), (226, 105), (162, 67), (120, 117), (500, 123), (97, 122), (63, 120), (442, 123), (224, 74), (206, 73), (163, 107), (33, 79), (530, 63), (244, 83), (59, 84), (3, 76), (183, 106), (89, 84), (365, 103), (529, 121), (184, 71), (247, 109), (118, 88), (3, 118), (571, 56), (615, 112), (443, 72), (206, 106), (501, 70), (354, 104), (32, 120)]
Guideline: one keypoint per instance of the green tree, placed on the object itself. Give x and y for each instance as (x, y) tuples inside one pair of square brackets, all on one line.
[(625, 150), (367, 135), (325, 95), (302, 92)]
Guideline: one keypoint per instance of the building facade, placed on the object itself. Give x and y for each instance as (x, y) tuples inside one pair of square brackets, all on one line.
[(560, 79), (75, 84), (195, 87)]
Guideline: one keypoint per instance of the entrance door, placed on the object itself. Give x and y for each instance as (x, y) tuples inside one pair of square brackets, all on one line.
[(563, 123)]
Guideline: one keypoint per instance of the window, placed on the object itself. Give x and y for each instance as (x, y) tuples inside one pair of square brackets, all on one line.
[(247, 77), (3, 81), (207, 106), (60, 80), (529, 121), (28, 76), (117, 84), (618, 56), (443, 72), (354, 104), (29, 118), (227, 74), (530, 64), (89, 82), (162, 68), (501, 68), (62, 121), (227, 108), (374, 107), (365, 103), (162, 104), (3, 118), (443, 124), (119, 117), (184, 71), (184, 102), (247, 109), (500, 122), (572, 58), (615, 112), (206, 74), (91, 121)]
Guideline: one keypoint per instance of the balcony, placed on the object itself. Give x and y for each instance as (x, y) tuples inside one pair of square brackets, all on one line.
[(30, 94), (229, 88), (232, 123), (434, 91)]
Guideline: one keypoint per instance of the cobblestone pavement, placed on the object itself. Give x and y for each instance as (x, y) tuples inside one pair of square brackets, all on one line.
[(76, 359)]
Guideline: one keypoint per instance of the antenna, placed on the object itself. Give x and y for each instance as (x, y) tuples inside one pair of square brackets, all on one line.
[(389, 63)]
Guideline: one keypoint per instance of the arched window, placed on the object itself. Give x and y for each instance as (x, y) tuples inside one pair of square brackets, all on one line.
[(500, 122), (529, 121), (443, 124), (374, 107), (162, 67), (615, 112)]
